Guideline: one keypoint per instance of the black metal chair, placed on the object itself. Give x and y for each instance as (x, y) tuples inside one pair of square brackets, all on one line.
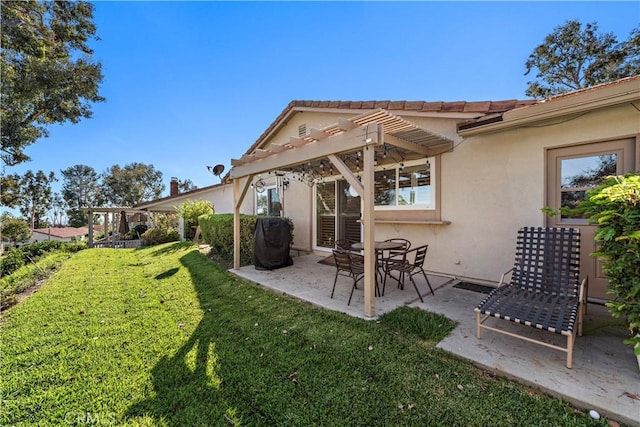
[(343, 245), (350, 265), (407, 268), (384, 257), (545, 291)]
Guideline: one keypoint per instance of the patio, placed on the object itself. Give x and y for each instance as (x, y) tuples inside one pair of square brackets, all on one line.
[(605, 375)]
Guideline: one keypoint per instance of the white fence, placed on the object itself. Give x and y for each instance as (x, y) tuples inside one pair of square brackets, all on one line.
[(118, 244)]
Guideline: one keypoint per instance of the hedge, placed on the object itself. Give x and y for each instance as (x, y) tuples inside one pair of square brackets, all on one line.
[(217, 232), (17, 257)]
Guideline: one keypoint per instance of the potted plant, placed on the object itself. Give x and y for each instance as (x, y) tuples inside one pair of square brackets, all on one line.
[(615, 207)]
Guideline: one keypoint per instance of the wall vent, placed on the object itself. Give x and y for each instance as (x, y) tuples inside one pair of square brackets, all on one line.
[(302, 130)]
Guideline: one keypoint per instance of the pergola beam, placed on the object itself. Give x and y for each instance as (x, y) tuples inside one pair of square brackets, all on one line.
[(358, 138), (347, 174), (407, 145)]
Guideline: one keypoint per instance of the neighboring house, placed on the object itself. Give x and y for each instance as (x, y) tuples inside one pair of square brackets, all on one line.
[(62, 234), (461, 177), (220, 196)]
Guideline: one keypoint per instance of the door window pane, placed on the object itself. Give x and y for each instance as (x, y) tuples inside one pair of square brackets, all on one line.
[(325, 214), (349, 213), (578, 175), (587, 171)]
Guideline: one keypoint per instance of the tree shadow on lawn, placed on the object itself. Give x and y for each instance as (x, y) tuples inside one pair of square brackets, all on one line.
[(170, 248), (186, 386)]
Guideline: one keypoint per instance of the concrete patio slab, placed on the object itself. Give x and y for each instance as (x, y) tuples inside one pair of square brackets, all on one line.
[(605, 376)]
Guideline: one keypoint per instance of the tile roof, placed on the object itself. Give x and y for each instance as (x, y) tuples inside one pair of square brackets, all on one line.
[(65, 232), (596, 87)]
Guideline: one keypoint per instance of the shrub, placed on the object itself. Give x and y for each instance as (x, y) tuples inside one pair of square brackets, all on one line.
[(11, 261), (217, 232), (190, 211), (17, 257), (615, 207), (158, 235)]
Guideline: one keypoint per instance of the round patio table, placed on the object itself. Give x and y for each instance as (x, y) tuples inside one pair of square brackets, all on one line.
[(379, 246)]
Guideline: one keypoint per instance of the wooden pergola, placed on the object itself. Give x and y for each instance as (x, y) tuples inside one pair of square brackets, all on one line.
[(109, 212), (363, 134)]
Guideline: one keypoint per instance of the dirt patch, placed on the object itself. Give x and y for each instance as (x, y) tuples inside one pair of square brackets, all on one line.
[(15, 299)]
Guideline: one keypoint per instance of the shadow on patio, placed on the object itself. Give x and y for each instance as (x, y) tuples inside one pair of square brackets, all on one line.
[(604, 377)]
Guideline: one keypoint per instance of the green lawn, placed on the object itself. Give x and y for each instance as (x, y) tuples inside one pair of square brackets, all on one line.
[(164, 336)]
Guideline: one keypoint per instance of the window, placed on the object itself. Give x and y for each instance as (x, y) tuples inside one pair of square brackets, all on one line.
[(577, 176), (405, 187), (268, 202)]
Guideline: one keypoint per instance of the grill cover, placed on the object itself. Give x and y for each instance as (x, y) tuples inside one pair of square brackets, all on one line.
[(272, 239)]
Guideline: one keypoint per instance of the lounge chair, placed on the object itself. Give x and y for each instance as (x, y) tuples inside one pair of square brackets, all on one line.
[(545, 291)]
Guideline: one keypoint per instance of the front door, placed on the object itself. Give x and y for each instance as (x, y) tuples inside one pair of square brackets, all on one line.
[(572, 171)]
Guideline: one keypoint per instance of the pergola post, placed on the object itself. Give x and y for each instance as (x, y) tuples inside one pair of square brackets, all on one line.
[(369, 232), (90, 216), (106, 227), (236, 223)]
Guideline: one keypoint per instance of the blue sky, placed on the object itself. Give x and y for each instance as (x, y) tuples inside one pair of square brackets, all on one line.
[(191, 84)]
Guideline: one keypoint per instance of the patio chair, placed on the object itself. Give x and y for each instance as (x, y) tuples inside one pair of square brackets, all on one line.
[(393, 254), (343, 245), (405, 268), (545, 291), (350, 265)]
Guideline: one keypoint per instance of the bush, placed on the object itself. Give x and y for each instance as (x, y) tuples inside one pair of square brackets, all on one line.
[(158, 235), (217, 232), (13, 260), (17, 257), (615, 208), (190, 211)]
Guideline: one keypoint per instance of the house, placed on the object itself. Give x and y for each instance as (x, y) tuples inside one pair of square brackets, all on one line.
[(461, 177), (219, 195), (61, 234)]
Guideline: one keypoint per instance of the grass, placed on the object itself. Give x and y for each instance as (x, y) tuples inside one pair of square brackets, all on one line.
[(162, 336), (28, 276)]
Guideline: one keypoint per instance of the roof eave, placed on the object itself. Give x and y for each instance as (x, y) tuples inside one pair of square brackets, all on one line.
[(618, 93)]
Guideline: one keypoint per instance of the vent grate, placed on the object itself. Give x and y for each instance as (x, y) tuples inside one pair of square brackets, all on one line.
[(302, 130)]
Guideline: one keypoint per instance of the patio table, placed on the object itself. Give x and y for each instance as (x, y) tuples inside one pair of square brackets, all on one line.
[(379, 246)]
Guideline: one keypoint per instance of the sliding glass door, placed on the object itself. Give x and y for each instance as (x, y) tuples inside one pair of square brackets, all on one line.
[(337, 213)]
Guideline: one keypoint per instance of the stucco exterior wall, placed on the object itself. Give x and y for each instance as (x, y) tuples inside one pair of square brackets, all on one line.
[(491, 185), (40, 237)]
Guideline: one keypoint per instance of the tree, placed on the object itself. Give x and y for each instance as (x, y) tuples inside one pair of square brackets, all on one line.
[(47, 72), (35, 196), (80, 188), (133, 184), (573, 57), (186, 185), (13, 229), (10, 186), (190, 211), (57, 210)]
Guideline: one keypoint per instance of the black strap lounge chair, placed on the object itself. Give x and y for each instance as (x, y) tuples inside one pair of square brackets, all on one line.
[(545, 291)]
